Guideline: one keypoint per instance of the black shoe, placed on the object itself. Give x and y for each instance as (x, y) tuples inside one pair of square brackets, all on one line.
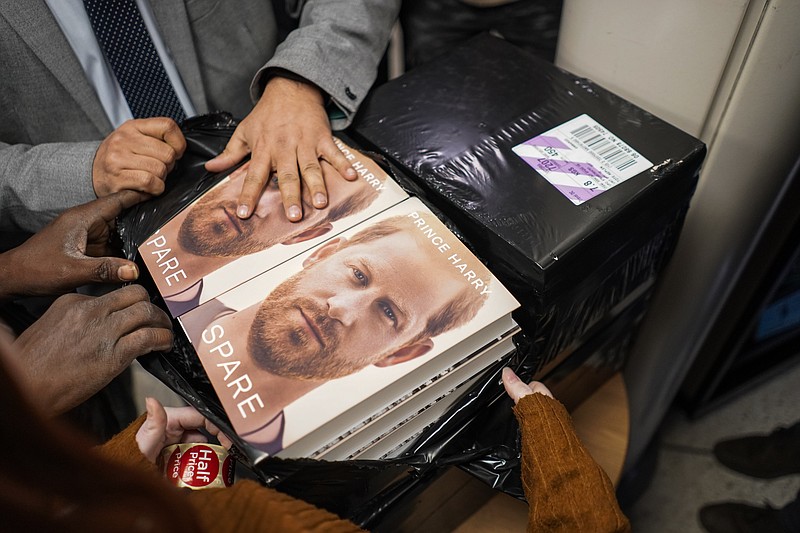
[(763, 456), (733, 517)]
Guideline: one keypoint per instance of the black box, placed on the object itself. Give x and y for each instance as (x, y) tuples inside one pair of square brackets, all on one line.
[(575, 258)]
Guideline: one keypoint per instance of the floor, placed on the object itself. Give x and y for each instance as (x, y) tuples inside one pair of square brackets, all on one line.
[(686, 475)]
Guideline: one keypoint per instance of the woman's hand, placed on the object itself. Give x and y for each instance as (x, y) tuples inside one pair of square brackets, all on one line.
[(517, 389), (173, 425)]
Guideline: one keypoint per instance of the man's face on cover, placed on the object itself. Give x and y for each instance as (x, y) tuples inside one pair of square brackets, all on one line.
[(353, 308), (212, 228)]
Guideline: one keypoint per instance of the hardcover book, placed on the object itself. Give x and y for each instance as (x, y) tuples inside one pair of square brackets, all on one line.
[(358, 337), (206, 248)]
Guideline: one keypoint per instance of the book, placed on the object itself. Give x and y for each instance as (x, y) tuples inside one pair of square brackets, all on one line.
[(206, 249), (380, 314), (409, 416)]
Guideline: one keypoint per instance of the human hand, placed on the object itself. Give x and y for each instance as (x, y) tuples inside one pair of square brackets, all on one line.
[(172, 425), (287, 130), (137, 156), (81, 343), (517, 389), (71, 251)]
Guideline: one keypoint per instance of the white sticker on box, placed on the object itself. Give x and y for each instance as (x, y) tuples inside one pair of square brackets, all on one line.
[(581, 158)]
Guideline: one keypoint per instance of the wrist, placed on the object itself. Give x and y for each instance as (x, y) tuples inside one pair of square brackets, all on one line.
[(98, 187), (7, 282), (283, 81), (17, 277)]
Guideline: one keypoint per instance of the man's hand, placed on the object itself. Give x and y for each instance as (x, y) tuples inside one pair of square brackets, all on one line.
[(81, 343), (71, 251), (287, 133), (137, 156), (173, 425)]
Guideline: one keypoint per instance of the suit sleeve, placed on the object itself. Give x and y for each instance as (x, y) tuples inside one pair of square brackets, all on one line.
[(565, 488), (338, 46), (39, 182)]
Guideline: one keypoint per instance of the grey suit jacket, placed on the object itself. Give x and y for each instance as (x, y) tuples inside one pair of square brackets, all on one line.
[(51, 121)]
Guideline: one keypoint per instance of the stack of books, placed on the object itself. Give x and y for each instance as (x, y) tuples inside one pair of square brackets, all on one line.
[(342, 336)]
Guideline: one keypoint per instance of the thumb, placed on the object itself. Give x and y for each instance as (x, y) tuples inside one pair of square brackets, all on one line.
[(235, 151), (150, 437), (515, 387), (108, 270), (540, 388)]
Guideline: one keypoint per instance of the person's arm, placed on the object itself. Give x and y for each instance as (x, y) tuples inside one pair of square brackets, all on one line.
[(245, 506), (565, 488), (248, 506), (39, 182), (337, 47), (328, 63)]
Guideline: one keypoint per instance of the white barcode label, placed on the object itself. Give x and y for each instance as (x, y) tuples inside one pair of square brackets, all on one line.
[(581, 158)]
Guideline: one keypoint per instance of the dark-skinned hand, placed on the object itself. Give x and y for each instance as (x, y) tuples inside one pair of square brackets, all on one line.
[(82, 342), (69, 252)]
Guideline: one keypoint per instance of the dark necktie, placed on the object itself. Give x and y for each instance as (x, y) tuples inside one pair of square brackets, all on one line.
[(130, 51)]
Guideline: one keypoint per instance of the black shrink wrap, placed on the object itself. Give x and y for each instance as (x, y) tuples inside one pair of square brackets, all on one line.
[(370, 493), (582, 273), (452, 125)]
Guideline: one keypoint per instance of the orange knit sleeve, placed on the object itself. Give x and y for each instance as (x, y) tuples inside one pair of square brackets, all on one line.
[(566, 490), (247, 506), (123, 448)]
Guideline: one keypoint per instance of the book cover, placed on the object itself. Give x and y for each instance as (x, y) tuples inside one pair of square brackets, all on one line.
[(374, 311), (207, 249)]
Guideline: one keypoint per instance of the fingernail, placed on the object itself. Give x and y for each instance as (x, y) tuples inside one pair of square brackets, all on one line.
[(320, 200), (148, 406), (128, 272), (351, 173), (294, 212), (242, 211)]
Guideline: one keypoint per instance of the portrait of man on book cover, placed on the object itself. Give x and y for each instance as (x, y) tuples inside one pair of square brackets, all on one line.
[(206, 248), (380, 296)]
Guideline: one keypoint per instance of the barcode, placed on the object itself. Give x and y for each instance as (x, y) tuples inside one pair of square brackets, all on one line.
[(605, 148)]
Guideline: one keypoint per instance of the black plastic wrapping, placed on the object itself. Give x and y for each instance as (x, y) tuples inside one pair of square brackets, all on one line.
[(452, 123), (363, 491), (582, 273)]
